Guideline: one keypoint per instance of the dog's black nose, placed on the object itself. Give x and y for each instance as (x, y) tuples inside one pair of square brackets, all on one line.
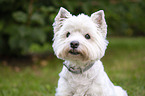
[(74, 44)]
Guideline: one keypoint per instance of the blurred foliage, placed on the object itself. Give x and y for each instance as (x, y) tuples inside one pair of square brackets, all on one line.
[(26, 25)]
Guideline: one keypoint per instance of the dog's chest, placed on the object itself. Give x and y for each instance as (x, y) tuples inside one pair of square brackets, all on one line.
[(83, 84), (79, 83), (79, 80)]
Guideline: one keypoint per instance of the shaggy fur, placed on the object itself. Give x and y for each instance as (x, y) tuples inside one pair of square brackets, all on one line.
[(94, 81)]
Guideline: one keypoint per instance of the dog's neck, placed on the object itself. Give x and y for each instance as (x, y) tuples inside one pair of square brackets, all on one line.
[(77, 67), (77, 64)]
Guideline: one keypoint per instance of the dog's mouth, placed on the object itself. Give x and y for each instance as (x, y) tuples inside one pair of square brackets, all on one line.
[(74, 52)]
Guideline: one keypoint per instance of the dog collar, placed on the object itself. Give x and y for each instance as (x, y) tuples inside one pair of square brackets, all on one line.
[(78, 70)]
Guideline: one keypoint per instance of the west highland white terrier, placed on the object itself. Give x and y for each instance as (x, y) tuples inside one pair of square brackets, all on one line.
[(81, 42)]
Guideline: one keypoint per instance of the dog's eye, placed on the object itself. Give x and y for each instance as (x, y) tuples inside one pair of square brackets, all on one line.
[(68, 33), (87, 36)]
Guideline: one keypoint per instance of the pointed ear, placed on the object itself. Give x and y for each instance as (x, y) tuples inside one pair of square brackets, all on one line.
[(99, 19), (61, 16)]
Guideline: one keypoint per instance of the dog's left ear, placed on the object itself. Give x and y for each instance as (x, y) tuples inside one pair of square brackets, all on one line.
[(61, 16), (99, 19)]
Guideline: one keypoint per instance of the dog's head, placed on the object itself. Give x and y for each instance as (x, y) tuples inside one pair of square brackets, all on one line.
[(80, 38)]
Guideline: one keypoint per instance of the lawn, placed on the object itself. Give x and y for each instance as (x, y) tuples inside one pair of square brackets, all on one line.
[(124, 63)]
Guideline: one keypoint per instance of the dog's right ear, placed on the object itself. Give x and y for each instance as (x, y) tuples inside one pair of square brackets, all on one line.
[(62, 15), (99, 19)]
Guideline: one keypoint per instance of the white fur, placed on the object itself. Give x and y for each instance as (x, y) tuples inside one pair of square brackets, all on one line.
[(93, 82)]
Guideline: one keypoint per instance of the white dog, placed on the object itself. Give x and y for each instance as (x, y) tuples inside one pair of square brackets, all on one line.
[(81, 42)]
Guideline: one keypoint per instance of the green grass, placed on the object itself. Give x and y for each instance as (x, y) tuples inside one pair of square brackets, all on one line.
[(124, 63)]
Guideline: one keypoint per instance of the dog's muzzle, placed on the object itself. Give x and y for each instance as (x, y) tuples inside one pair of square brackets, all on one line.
[(74, 52), (74, 45)]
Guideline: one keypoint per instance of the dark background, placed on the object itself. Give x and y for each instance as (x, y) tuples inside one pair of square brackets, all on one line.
[(26, 25)]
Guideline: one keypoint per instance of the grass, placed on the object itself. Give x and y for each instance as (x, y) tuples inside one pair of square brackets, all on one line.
[(124, 63)]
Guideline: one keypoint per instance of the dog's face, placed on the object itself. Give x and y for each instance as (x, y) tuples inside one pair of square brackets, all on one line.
[(79, 38)]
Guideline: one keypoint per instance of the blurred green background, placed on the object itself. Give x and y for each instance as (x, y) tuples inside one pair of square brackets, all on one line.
[(26, 25), (28, 66)]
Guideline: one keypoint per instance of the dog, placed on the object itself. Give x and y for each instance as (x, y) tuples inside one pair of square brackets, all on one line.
[(81, 42)]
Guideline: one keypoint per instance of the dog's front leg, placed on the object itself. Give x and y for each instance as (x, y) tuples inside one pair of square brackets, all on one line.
[(63, 88)]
